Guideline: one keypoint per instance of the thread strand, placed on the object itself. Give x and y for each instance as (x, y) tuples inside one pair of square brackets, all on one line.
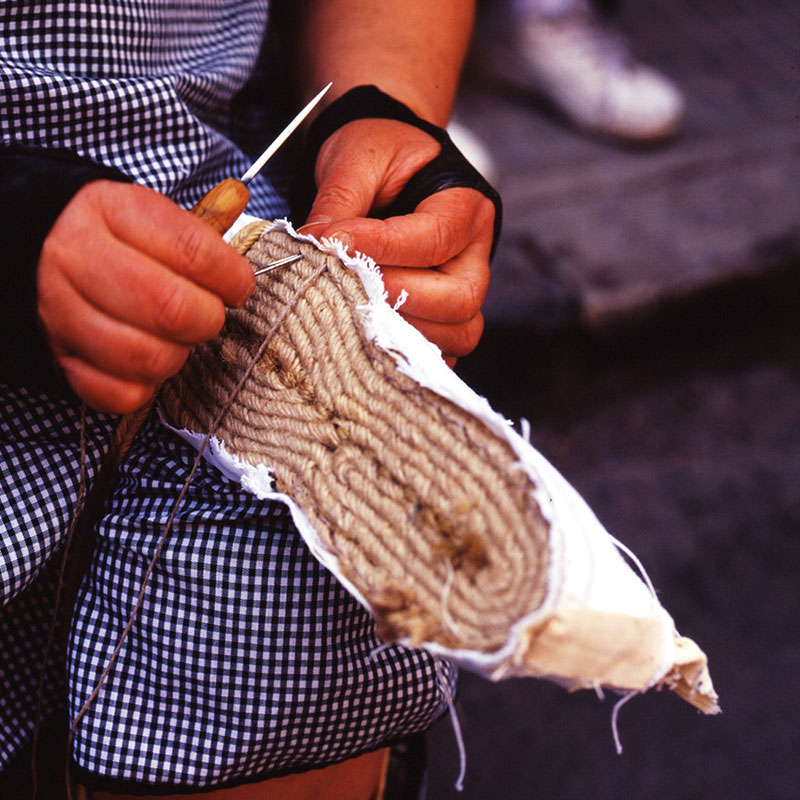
[(57, 603)]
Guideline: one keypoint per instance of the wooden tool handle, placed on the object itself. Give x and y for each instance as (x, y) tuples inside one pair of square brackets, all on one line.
[(222, 205)]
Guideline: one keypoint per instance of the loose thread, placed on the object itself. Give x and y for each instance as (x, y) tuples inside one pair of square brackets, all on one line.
[(444, 686), (51, 632), (598, 690), (181, 496), (615, 720), (633, 557), (401, 299)]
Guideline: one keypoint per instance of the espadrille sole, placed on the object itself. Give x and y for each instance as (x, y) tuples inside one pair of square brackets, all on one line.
[(447, 525), (411, 492)]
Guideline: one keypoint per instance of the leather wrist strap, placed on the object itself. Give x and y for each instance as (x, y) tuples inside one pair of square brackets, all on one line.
[(447, 170)]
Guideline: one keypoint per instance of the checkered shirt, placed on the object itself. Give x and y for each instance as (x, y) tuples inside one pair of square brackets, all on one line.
[(147, 86), (39, 480), (247, 659)]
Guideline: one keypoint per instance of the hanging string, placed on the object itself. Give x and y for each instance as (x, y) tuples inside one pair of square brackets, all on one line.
[(615, 720), (444, 686), (51, 632), (633, 557), (179, 501)]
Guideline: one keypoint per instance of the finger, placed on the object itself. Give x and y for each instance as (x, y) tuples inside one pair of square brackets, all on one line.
[(113, 347), (363, 166), (336, 200), (453, 340), (101, 391), (345, 189), (152, 224), (452, 293), (441, 226), (135, 289)]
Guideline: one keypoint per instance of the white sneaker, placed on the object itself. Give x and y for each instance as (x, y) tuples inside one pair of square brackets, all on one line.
[(584, 67)]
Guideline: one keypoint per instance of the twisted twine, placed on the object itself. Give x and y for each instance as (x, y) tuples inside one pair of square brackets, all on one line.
[(419, 501)]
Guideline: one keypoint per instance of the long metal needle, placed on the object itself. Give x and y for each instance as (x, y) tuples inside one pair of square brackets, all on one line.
[(258, 165), (281, 262)]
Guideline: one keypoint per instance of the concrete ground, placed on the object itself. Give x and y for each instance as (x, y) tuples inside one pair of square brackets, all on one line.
[(643, 318), (603, 231)]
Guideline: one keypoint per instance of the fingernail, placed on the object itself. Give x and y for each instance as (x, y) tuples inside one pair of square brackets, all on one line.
[(345, 238)]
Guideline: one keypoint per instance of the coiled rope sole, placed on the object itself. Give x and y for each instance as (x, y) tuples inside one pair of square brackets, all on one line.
[(422, 505)]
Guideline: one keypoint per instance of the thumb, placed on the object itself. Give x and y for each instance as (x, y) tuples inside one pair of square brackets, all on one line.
[(344, 191)]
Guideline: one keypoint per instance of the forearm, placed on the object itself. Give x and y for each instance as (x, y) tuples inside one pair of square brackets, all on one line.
[(411, 49), (37, 186)]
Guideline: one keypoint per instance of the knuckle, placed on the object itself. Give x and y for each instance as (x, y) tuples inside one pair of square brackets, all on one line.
[(443, 238), (47, 284), (158, 361), (470, 297), (53, 250), (486, 213), (129, 398), (337, 195), (102, 390), (386, 242), (211, 321), (193, 248), (92, 192), (103, 197), (174, 310), (469, 336), (65, 238), (184, 316)]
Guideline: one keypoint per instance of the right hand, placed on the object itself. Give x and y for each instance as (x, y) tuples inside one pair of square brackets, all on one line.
[(127, 282)]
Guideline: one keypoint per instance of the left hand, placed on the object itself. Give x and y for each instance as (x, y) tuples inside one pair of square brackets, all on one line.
[(439, 254)]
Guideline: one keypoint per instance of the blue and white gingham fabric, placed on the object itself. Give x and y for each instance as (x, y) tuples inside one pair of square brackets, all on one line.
[(39, 481), (146, 86), (247, 659)]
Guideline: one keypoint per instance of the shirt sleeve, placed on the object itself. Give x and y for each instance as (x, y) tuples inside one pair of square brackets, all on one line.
[(37, 185)]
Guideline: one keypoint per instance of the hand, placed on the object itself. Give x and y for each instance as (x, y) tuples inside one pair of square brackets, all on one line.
[(439, 254), (127, 282)]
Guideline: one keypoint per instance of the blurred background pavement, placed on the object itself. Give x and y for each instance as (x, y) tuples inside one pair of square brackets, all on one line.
[(643, 317)]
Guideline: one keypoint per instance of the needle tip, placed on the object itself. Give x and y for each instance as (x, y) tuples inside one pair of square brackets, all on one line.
[(282, 137)]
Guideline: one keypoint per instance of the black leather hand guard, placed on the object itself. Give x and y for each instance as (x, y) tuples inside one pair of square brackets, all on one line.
[(447, 170)]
